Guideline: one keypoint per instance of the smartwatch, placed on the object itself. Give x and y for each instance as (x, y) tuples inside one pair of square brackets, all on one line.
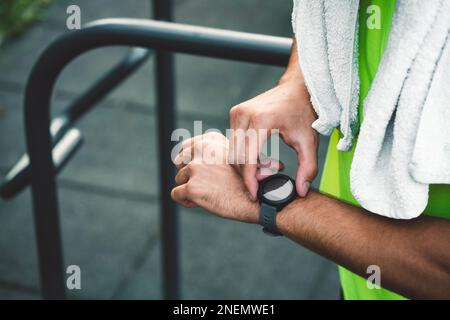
[(274, 193)]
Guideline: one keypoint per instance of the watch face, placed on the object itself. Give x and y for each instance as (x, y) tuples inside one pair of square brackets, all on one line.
[(277, 188)]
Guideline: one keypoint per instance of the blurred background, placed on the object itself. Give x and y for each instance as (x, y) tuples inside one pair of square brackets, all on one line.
[(109, 191)]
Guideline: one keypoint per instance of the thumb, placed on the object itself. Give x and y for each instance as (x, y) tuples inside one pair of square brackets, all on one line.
[(250, 181), (268, 166), (307, 168)]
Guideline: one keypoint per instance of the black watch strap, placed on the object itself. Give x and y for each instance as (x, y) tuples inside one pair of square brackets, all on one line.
[(267, 218)]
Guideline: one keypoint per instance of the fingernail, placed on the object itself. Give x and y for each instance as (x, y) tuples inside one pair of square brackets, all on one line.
[(305, 188), (263, 159)]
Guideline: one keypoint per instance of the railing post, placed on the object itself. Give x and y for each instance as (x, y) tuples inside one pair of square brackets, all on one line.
[(45, 203), (165, 104)]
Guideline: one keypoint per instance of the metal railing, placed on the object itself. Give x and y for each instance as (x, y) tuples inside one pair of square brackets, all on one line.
[(51, 143)]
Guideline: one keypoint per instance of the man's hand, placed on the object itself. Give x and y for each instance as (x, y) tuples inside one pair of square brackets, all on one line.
[(209, 182), (286, 107)]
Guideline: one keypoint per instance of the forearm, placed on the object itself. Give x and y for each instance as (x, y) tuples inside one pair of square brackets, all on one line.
[(293, 70), (413, 256)]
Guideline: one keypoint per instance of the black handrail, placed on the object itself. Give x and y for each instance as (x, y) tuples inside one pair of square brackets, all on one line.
[(166, 115), (18, 177), (128, 32)]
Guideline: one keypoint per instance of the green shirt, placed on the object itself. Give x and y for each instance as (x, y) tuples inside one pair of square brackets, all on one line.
[(336, 175)]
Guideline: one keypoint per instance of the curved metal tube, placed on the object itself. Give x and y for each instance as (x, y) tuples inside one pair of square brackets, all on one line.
[(128, 32), (18, 177)]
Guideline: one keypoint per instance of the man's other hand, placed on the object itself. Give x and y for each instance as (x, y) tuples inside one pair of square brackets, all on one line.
[(286, 107)]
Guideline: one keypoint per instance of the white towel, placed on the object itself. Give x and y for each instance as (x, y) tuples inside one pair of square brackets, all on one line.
[(309, 27), (397, 155), (431, 162)]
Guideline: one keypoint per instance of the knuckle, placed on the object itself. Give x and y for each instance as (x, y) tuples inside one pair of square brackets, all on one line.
[(187, 142), (199, 143), (188, 167), (193, 167), (257, 116), (190, 189), (311, 169), (196, 141), (237, 110), (209, 138), (214, 135), (173, 195)]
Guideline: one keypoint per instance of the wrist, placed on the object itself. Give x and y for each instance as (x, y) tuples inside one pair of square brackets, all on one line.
[(254, 213), (291, 215), (250, 212), (295, 85), (292, 77)]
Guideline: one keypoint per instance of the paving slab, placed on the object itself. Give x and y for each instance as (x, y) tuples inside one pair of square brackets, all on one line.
[(102, 235), (259, 16), (99, 9), (228, 260), (203, 85), (8, 292), (101, 247), (18, 56)]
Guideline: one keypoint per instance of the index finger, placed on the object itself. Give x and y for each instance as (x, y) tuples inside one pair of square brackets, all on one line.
[(255, 139)]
